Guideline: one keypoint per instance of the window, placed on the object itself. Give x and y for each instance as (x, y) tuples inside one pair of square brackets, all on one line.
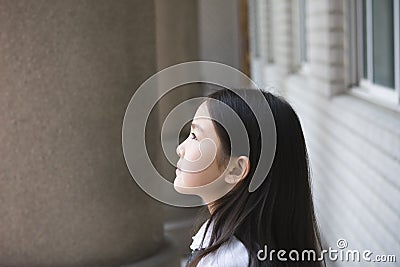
[(303, 31), (374, 47)]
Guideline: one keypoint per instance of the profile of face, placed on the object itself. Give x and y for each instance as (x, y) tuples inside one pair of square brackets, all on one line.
[(199, 171)]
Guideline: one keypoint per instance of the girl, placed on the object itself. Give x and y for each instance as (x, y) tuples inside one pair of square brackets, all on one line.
[(244, 226)]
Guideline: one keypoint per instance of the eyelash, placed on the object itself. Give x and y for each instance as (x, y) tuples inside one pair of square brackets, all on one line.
[(194, 136)]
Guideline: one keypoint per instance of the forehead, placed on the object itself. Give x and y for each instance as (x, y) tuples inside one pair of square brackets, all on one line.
[(203, 119), (202, 112)]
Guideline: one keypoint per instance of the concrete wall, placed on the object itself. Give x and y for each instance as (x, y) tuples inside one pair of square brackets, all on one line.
[(177, 38), (219, 31), (67, 72)]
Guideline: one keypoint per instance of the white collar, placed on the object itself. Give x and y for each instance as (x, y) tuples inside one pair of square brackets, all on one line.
[(199, 236), (231, 254)]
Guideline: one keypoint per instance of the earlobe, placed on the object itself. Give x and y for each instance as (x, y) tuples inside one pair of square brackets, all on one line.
[(231, 179)]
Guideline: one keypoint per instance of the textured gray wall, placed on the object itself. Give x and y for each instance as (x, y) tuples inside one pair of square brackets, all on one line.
[(177, 42), (177, 32), (67, 72), (219, 31)]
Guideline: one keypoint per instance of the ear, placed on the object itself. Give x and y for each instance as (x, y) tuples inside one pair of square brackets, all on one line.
[(239, 168)]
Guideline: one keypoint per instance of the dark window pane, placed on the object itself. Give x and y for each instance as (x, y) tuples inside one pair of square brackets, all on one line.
[(383, 42), (303, 31), (364, 34)]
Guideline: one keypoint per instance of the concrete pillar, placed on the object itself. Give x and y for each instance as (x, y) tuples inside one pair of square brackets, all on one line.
[(177, 32), (219, 29), (177, 42), (67, 72), (177, 38)]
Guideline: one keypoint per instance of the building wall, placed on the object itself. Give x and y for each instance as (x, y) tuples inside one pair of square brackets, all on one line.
[(219, 31), (354, 154), (177, 35), (282, 35), (354, 144), (325, 24), (67, 73), (187, 31)]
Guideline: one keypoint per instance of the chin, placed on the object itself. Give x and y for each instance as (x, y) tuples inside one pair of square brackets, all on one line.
[(182, 188), (178, 185)]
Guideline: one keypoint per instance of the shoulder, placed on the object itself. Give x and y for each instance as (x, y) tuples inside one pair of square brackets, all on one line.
[(231, 254)]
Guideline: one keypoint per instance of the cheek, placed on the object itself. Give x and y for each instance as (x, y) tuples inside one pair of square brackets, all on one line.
[(204, 177), (193, 153), (201, 156)]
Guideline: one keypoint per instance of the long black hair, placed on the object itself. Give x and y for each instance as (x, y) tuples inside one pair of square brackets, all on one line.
[(280, 213)]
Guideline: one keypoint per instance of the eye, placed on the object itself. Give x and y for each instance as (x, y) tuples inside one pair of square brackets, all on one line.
[(193, 136)]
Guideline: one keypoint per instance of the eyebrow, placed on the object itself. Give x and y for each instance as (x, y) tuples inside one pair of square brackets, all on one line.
[(194, 125)]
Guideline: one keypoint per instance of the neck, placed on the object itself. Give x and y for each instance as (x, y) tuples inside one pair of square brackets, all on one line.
[(210, 209)]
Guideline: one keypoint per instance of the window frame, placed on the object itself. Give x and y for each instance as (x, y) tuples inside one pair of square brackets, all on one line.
[(360, 86), (303, 46)]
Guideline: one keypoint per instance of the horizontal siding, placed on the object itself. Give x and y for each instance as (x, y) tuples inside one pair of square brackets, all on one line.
[(325, 41), (354, 146), (379, 138), (354, 156), (282, 34)]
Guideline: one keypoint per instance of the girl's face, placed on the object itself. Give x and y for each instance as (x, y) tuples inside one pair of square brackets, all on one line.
[(197, 165)]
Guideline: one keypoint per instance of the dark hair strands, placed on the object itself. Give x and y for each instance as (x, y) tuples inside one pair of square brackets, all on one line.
[(280, 213)]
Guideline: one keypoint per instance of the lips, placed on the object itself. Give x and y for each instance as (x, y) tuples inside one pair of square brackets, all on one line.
[(178, 166)]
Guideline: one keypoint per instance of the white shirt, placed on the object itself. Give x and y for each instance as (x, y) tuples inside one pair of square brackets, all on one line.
[(231, 254)]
